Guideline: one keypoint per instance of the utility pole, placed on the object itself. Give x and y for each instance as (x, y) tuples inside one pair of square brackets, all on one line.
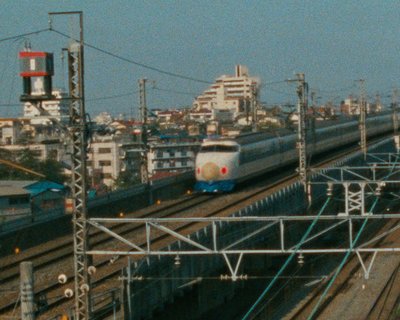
[(26, 291), (362, 123), (314, 115), (253, 107), (143, 118), (394, 110), (302, 106), (78, 131)]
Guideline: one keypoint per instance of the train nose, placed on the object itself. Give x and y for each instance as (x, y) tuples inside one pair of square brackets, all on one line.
[(210, 171)]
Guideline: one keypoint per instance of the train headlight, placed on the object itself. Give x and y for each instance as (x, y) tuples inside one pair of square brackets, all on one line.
[(224, 170)]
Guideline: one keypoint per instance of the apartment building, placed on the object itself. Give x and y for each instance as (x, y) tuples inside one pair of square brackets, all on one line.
[(108, 157), (229, 93), (44, 112), (172, 154), (351, 106)]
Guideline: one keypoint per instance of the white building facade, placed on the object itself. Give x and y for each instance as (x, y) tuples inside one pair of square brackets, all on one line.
[(108, 157), (41, 113), (171, 157), (229, 93)]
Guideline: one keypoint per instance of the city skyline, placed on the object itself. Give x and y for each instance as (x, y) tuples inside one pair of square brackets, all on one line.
[(333, 43)]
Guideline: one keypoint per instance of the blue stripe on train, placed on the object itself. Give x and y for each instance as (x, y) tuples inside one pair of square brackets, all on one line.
[(214, 186)]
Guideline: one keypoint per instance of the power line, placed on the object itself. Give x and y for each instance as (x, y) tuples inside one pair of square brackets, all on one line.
[(333, 90), (174, 91), (24, 35), (90, 99), (10, 104), (113, 96), (278, 91), (272, 82), (168, 73)]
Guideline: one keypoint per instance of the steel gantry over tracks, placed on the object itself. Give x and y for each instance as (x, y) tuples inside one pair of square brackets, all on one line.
[(220, 236)]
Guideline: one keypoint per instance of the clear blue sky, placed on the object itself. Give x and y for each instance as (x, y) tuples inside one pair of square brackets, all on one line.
[(332, 42)]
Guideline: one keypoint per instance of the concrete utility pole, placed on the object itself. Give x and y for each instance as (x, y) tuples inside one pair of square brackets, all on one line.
[(143, 118), (26, 291), (253, 107), (314, 115), (363, 114), (394, 110)]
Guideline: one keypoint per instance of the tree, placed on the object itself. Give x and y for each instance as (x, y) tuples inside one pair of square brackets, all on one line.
[(53, 170), (50, 168), (126, 179)]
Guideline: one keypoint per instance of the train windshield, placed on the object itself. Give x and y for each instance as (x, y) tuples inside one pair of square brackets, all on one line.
[(218, 148)]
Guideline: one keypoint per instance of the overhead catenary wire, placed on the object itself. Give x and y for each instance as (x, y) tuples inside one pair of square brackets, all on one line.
[(333, 90), (265, 86), (139, 64), (172, 74), (24, 35), (345, 258), (174, 91), (288, 260), (113, 96), (341, 265)]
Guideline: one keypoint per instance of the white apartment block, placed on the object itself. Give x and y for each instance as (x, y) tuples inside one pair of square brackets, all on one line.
[(171, 157), (351, 106), (10, 130), (229, 92), (103, 161), (42, 112), (203, 115), (107, 158)]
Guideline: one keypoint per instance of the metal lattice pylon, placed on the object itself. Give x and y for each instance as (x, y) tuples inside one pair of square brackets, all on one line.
[(78, 130), (302, 93)]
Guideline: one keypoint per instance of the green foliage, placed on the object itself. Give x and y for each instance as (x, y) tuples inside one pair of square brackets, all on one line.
[(53, 170), (126, 179)]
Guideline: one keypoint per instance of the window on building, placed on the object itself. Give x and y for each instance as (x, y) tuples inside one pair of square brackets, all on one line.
[(183, 163), (104, 163), (160, 165), (107, 175), (184, 153), (104, 150), (159, 154)]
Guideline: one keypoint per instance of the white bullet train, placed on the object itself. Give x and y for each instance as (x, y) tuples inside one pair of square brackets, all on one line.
[(224, 162)]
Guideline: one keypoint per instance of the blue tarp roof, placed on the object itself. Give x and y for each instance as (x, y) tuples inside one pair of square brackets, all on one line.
[(42, 186)]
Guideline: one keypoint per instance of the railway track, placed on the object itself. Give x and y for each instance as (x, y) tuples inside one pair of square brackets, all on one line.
[(114, 269), (63, 248), (106, 270), (385, 303), (378, 309)]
